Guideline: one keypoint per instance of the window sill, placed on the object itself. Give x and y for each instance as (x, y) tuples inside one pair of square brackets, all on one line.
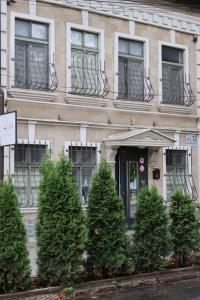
[(29, 210), (34, 95), (132, 105), (175, 109), (86, 101)]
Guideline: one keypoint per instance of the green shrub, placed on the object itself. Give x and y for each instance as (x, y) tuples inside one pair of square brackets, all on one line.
[(106, 225), (151, 237), (14, 263), (184, 227), (61, 229)]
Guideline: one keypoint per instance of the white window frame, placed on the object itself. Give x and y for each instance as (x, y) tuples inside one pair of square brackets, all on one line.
[(185, 63), (189, 153), (47, 143), (68, 144), (51, 40), (133, 38), (101, 48)]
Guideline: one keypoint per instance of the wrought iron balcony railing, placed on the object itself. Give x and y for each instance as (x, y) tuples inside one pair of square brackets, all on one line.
[(177, 92), (133, 84), (137, 89), (87, 77), (39, 76)]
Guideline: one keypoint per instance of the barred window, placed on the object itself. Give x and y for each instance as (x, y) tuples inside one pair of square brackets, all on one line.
[(85, 62), (28, 159), (131, 70), (84, 161), (31, 55), (172, 75), (177, 174)]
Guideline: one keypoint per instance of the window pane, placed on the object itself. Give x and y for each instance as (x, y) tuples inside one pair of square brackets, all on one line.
[(90, 76), (21, 153), (172, 55), (136, 48), (38, 66), (86, 183), (27, 175), (135, 77), (123, 46), (173, 84), (131, 79), (176, 169), (76, 37), (20, 63), (37, 153), (84, 164), (122, 83), (90, 40), (77, 70), (40, 31), (22, 28)]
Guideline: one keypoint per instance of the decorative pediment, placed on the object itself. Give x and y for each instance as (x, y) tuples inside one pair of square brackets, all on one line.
[(140, 138)]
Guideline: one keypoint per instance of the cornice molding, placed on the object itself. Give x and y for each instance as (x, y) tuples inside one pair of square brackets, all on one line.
[(136, 12)]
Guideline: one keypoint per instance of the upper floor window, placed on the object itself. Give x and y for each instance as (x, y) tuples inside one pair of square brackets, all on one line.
[(173, 75), (131, 70), (85, 62), (87, 77), (31, 55)]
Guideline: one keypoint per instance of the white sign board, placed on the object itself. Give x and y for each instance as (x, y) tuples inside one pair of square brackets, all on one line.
[(8, 129), (192, 139)]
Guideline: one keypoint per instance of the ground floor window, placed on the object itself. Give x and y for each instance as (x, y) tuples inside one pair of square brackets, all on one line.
[(84, 161), (28, 159), (178, 173)]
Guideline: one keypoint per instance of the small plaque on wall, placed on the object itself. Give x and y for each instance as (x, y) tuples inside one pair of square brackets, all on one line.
[(156, 174)]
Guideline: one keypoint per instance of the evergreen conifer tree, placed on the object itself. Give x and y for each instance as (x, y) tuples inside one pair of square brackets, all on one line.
[(151, 236), (184, 227), (61, 229), (106, 224), (15, 272)]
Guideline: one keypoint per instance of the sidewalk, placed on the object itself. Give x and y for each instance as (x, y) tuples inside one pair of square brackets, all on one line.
[(102, 288)]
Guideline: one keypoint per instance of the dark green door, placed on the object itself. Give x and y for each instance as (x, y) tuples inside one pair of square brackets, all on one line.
[(131, 173)]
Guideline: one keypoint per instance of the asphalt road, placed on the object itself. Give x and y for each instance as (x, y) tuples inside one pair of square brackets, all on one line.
[(182, 290)]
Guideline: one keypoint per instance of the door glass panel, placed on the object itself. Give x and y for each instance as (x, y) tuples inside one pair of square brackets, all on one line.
[(132, 180)]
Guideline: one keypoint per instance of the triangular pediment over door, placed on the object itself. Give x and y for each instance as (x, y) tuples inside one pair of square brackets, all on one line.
[(140, 138)]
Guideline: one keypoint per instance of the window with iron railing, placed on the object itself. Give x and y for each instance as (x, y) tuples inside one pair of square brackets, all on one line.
[(32, 67), (173, 75), (177, 173), (87, 77), (28, 159), (132, 81), (84, 161)]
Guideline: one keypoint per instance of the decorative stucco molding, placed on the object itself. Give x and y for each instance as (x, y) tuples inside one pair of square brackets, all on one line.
[(136, 12), (175, 109), (86, 101), (132, 105), (32, 95)]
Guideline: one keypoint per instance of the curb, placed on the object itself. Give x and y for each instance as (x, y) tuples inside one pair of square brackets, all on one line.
[(100, 287)]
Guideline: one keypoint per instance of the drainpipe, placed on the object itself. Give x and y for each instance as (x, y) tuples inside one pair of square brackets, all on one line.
[(1, 101)]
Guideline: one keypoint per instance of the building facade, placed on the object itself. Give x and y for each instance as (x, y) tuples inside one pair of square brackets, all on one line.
[(102, 79)]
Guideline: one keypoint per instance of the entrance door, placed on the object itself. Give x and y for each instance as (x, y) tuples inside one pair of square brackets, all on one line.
[(131, 173)]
